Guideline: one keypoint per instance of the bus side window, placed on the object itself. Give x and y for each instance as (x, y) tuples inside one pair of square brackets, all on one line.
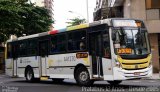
[(82, 45), (22, 48), (15, 50), (106, 45), (43, 50), (54, 48), (58, 43), (31, 47), (77, 40), (9, 50), (61, 43)]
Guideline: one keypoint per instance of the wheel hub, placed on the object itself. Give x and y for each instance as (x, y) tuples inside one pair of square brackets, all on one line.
[(29, 75), (83, 76)]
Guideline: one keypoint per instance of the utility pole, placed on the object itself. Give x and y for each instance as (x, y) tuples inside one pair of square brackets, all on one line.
[(87, 11)]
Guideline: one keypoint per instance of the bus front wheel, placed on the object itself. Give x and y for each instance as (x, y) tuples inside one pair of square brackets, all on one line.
[(115, 82), (82, 77)]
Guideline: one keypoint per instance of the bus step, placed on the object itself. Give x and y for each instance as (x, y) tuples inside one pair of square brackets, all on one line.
[(97, 76), (44, 78)]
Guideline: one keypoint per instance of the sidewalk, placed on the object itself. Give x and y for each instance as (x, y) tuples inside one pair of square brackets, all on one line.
[(155, 76)]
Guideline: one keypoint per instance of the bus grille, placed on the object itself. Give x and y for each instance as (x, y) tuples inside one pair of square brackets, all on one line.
[(134, 66)]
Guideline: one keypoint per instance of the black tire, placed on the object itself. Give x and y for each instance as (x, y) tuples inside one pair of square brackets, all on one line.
[(115, 82), (57, 80), (82, 77), (29, 75)]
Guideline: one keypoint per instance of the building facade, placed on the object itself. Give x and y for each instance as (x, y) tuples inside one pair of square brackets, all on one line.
[(146, 10)]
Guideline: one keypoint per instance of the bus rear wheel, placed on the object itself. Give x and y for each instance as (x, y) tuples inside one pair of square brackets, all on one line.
[(30, 76), (115, 82), (82, 77)]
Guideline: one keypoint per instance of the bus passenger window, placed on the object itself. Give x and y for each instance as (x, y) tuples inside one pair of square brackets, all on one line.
[(32, 50), (77, 40), (44, 51), (82, 46), (9, 51), (54, 48), (22, 47), (58, 43)]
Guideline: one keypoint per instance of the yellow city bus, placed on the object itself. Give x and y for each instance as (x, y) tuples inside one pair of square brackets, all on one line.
[(112, 50)]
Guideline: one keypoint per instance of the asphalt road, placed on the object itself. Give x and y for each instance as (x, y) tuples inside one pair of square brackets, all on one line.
[(8, 84)]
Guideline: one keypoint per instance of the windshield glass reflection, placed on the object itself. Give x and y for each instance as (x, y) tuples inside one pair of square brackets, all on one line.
[(131, 41)]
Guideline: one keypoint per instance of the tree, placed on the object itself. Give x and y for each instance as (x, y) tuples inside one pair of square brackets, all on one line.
[(76, 21), (19, 17), (35, 20)]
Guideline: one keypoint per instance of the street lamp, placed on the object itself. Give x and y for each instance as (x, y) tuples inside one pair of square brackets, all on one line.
[(87, 19), (79, 15)]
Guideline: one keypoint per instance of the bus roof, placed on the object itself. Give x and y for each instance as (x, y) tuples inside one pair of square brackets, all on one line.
[(55, 31)]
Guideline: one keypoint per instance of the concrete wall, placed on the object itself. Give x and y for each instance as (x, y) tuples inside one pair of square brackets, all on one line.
[(153, 14), (39, 3), (153, 26), (127, 8), (155, 54), (135, 9)]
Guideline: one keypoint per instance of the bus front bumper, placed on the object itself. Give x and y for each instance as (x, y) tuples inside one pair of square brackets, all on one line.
[(122, 74)]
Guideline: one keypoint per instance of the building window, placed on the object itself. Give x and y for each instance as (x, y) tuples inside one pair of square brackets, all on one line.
[(152, 4), (153, 9)]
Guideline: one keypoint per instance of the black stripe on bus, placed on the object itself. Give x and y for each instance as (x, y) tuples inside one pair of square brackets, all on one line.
[(25, 67), (64, 66), (9, 68)]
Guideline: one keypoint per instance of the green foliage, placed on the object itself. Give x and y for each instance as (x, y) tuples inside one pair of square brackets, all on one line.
[(76, 21), (20, 17)]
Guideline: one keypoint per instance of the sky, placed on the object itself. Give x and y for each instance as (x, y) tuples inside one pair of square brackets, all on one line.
[(78, 8)]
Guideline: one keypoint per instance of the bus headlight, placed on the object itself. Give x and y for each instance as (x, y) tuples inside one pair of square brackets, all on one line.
[(150, 63), (118, 64)]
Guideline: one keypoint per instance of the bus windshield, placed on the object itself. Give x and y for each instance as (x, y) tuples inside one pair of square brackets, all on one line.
[(131, 41)]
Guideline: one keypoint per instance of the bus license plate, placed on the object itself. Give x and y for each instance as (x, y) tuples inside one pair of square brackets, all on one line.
[(136, 73)]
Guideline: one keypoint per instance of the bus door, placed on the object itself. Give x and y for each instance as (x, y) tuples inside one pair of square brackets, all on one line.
[(95, 49), (43, 52), (15, 58)]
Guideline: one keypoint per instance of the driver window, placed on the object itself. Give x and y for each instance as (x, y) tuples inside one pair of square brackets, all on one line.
[(106, 45)]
